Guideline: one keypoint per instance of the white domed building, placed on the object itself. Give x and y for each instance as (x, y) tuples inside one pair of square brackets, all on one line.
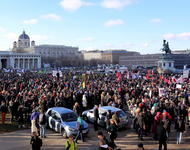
[(21, 56), (23, 44)]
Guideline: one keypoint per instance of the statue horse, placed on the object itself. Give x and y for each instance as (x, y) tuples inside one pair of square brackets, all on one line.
[(166, 47)]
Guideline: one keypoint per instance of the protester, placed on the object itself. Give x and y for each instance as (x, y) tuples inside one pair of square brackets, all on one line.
[(112, 131), (35, 141), (103, 142), (151, 98), (96, 117), (3, 110), (42, 124), (162, 136), (108, 118), (180, 128), (80, 127), (70, 143)]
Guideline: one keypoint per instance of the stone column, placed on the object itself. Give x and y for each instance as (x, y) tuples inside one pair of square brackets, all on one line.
[(33, 64), (39, 63), (23, 63), (12, 62), (28, 64), (18, 66)]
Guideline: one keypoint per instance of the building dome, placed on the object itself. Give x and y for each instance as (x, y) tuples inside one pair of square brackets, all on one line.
[(24, 36)]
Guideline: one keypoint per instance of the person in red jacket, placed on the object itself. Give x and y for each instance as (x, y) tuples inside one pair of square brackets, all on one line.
[(3, 110)]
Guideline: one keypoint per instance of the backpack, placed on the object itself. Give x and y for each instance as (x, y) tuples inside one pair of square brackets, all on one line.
[(40, 142)]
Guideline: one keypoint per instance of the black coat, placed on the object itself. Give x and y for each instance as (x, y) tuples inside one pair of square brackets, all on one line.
[(96, 114), (113, 131), (161, 132), (180, 125), (36, 143), (141, 121)]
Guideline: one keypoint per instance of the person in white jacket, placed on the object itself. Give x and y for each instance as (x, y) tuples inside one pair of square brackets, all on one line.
[(84, 102)]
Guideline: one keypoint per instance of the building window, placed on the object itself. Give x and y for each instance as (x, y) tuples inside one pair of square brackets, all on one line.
[(170, 65), (164, 64)]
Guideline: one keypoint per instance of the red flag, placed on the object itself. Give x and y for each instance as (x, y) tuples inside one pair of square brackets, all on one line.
[(118, 75), (174, 80), (161, 77)]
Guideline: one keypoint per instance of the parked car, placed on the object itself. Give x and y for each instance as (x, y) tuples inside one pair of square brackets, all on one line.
[(64, 121), (89, 115)]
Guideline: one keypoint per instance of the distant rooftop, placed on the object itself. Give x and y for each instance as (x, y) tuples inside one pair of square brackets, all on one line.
[(53, 45), (110, 51), (181, 51)]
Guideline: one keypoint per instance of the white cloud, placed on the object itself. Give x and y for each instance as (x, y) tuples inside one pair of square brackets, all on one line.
[(111, 23), (72, 5), (11, 36), (2, 29), (87, 39), (156, 20), (52, 17), (116, 4), (30, 21), (169, 36), (39, 37), (180, 36), (146, 45)]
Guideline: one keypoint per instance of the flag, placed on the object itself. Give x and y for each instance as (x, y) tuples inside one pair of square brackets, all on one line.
[(180, 80), (118, 76), (174, 80), (149, 75), (83, 85), (161, 77)]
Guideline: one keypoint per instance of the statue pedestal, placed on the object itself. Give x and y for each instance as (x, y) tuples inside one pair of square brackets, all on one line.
[(166, 63)]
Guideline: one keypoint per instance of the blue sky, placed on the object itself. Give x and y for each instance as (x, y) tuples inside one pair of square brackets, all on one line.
[(136, 25)]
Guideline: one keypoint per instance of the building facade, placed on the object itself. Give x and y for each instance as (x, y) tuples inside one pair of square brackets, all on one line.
[(92, 55), (113, 56), (23, 44), (57, 51), (148, 60), (12, 60), (50, 54), (151, 60), (20, 57), (55, 55)]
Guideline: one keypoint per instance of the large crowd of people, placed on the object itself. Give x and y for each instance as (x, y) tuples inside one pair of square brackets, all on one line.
[(28, 95)]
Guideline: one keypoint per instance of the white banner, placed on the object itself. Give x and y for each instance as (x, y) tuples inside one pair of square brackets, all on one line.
[(54, 73), (178, 86), (60, 74), (161, 92), (185, 73)]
